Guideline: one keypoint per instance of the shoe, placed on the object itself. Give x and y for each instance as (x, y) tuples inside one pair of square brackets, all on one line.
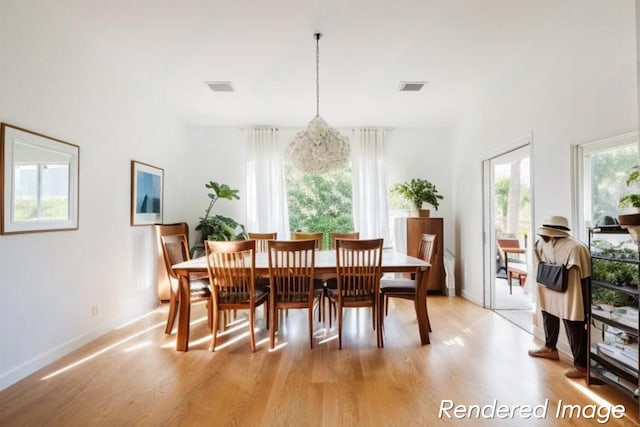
[(545, 352), (576, 372)]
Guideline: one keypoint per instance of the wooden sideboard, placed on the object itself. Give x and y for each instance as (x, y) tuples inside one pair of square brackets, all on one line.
[(416, 227)]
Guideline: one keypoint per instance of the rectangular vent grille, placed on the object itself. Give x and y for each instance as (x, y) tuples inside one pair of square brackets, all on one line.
[(220, 86), (411, 86)]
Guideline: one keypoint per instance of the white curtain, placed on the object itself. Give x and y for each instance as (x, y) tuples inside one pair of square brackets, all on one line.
[(266, 193), (370, 213)]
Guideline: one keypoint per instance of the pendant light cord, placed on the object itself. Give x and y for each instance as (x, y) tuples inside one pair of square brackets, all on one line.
[(317, 36)]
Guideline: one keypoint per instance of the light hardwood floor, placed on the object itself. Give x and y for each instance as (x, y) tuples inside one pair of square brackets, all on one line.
[(133, 376)]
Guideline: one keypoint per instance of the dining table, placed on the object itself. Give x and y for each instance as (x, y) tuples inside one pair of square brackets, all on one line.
[(325, 263)]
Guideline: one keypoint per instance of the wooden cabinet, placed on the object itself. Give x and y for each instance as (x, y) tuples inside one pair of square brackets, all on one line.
[(416, 227)]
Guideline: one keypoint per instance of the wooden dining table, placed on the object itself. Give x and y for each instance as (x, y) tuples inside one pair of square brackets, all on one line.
[(325, 263)]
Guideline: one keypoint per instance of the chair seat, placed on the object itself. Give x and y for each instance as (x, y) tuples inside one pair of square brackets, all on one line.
[(260, 294), (397, 285), (333, 293)]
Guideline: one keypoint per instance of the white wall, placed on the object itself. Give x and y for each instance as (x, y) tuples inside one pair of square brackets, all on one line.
[(409, 153), (55, 80), (574, 83)]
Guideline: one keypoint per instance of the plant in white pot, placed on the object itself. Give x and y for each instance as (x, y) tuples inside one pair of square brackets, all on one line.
[(419, 191)]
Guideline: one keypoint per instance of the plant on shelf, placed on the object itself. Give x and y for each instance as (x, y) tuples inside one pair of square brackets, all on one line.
[(632, 200), (418, 192), (219, 227), (630, 203)]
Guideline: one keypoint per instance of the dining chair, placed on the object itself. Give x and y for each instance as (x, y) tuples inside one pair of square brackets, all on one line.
[(262, 239), (406, 287), (319, 281), (298, 235), (231, 267), (358, 269), (330, 280), (175, 249), (291, 274), (164, 280)]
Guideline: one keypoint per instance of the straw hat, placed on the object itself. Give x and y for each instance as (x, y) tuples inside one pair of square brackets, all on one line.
[(555, 226)]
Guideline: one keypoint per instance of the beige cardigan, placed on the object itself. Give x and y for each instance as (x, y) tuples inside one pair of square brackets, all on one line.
[(575, 255)]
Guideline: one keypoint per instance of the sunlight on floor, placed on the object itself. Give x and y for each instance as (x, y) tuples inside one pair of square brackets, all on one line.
[(104, 350)]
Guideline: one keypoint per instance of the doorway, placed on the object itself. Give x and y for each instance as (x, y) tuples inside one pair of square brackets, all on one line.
[(509, 233)]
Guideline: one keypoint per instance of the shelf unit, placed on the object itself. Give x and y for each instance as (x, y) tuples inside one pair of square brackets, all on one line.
[(614, 299)]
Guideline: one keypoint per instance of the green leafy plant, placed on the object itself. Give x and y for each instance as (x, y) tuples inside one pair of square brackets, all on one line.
[(418, 191), (220, 227), (632, 200)]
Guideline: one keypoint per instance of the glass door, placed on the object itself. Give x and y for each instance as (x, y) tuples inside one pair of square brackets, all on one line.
[(508, 235)]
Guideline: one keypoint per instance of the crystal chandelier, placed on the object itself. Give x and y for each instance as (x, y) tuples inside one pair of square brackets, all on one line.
[(319, 147)]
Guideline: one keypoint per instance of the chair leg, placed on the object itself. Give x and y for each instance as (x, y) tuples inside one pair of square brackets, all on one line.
[(173, 313), (339, 309), (426, 309), (381, 315), (214, 332), (252, 313), (310, 314), (386, 305), (274, 325), (209, 319)]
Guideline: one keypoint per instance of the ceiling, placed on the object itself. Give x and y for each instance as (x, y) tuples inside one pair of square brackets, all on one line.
[(267, 50)]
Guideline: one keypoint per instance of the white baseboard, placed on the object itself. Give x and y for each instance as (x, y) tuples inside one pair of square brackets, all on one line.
[(30, 366)]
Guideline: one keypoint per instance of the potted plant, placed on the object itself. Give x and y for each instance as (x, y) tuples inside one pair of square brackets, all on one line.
[(418, 192), (630, 203), (219, 227)]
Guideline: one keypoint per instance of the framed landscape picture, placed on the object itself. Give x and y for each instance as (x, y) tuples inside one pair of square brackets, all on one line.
[(147, 186)]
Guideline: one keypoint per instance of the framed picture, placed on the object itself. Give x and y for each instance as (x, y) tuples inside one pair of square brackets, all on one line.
[(39, 181), (147, 186)]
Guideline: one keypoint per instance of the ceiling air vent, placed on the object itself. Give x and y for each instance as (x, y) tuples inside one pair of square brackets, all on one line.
[(411, 86), (220, 86)]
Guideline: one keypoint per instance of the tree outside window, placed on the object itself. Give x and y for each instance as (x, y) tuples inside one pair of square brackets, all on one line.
[(319, 203)]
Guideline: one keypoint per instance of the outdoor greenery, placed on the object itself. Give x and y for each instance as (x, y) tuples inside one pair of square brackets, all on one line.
[(633, 199), (418, 191), (51, 208), (220, 227), (502, 187), (319, 203), (609, 173), (612, 297)]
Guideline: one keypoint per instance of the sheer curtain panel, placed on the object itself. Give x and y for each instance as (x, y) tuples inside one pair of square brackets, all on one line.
[(266, 194), (370, 213)]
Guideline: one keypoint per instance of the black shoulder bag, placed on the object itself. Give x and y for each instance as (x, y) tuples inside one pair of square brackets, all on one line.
[(552, 276)]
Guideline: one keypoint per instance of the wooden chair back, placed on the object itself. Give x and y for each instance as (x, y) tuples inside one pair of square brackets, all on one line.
[(231, 267), (262, 239), (355, 235), (297, 235), (359, 268), (175, 249), (165, 280), (426, 247), (291, 270)]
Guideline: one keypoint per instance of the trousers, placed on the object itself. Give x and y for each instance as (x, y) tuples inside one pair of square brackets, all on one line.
[(576, 332)]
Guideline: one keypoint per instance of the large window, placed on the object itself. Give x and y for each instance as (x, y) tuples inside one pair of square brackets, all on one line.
[(319, 203), (603, 169)]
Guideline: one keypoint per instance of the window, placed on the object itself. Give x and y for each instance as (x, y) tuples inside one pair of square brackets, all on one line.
[(603, 168), (319, 203), (39, 182), (41, 192)]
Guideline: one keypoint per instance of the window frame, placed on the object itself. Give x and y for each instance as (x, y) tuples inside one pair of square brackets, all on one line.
[(580, 170)]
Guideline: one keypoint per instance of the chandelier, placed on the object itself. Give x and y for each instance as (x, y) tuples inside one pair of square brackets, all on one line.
[(319, 147)]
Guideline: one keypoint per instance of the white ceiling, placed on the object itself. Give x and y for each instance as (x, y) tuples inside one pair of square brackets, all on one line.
[(267, 49)]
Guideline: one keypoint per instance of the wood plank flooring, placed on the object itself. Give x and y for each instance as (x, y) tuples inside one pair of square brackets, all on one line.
[(133, 376)]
